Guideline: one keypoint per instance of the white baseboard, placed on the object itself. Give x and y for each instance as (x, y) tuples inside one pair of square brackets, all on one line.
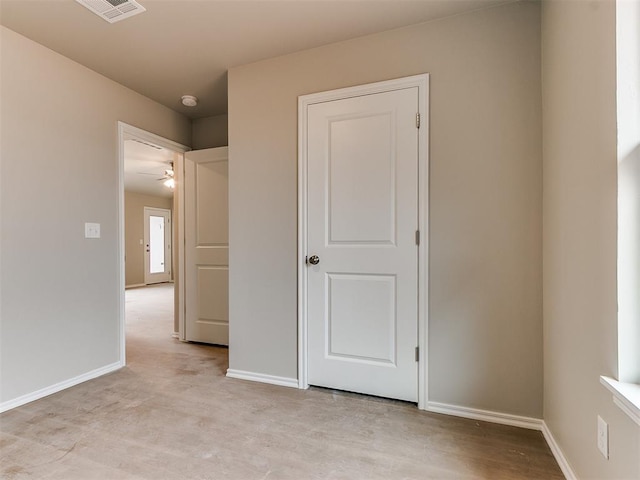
[(263, 378), (557, 453), (485, 415), (43, 392), (508, 419), (135, 285)]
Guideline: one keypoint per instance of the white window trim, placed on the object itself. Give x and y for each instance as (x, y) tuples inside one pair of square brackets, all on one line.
[(625, 395), (626, 389)]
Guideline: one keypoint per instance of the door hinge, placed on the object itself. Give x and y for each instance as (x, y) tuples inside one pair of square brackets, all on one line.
[(417, 354), (417, 120), (417, 237)]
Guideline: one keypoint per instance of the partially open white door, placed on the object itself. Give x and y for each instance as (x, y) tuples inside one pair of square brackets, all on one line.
[(157, 243), (206, 246), (362, 249)]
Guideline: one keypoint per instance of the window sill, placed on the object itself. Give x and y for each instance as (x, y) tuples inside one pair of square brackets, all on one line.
[(625, 395)]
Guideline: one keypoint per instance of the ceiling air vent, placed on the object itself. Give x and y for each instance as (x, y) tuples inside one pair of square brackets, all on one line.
[(113, 10), (146, 143)]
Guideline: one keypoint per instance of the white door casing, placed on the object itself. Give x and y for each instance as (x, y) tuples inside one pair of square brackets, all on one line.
[(126, 131), (157, 251), (363, 183), (206, 219)]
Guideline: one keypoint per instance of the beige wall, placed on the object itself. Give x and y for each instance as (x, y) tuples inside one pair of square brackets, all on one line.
[(485, 318), (134, 204), (210, 132), (59, 153), (580, 175)]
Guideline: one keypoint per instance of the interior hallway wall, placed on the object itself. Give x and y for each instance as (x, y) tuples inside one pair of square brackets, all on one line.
[(134, 204), (485, 311), (580, 224), (59, 149), (210, 132)]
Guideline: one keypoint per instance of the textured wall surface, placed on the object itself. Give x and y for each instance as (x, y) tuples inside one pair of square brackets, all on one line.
[(59, 305), (485, 314), (580, 224)]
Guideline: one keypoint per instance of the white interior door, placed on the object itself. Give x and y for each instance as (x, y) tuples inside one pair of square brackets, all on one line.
[(157, 244), (362, 218), (206, 246)]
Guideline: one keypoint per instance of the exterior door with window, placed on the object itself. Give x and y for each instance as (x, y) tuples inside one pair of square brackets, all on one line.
[(157, 245)]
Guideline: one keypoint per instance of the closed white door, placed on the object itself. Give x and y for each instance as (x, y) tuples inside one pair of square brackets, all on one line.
[(206, 246), (157, 244), (362, 214)]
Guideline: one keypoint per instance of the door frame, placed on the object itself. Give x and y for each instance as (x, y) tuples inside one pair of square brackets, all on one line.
[(304, 101), (125, 132), (168, 250)]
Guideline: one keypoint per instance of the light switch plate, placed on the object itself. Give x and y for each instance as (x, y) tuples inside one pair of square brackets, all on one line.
[(91, 230)]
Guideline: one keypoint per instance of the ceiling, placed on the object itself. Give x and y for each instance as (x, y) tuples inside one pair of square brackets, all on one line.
[(144, 168), (180, 47)]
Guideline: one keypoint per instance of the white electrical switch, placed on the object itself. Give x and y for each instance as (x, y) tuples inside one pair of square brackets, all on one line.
[(91, 230)]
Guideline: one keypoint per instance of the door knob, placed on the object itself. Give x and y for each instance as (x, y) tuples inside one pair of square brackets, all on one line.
[(314, 260)]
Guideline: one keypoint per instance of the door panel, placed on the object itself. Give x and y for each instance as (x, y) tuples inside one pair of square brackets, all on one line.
[(361, 191), (212, 205), (361, 303), (362, 215), (207, 246)]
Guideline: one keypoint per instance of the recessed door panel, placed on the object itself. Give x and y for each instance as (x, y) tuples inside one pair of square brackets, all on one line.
[(213, 291), (212, 205), (357, 304), (361, 187)]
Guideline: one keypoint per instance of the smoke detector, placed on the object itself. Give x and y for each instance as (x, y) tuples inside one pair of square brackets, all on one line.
[(189, 101), (113, 10)]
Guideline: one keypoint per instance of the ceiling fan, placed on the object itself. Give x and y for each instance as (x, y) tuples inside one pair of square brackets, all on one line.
[(168, 177)]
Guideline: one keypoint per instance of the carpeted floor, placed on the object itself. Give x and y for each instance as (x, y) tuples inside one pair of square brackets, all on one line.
[(172, 414)]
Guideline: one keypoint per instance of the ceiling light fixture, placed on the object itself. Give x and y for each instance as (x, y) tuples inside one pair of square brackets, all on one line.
[(168, 179), (189, 101)]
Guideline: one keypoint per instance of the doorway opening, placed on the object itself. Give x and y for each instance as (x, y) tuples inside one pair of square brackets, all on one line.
[(149, 206)]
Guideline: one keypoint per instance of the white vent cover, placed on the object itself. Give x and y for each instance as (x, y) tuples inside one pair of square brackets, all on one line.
[(113, 10), (145, 143)]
